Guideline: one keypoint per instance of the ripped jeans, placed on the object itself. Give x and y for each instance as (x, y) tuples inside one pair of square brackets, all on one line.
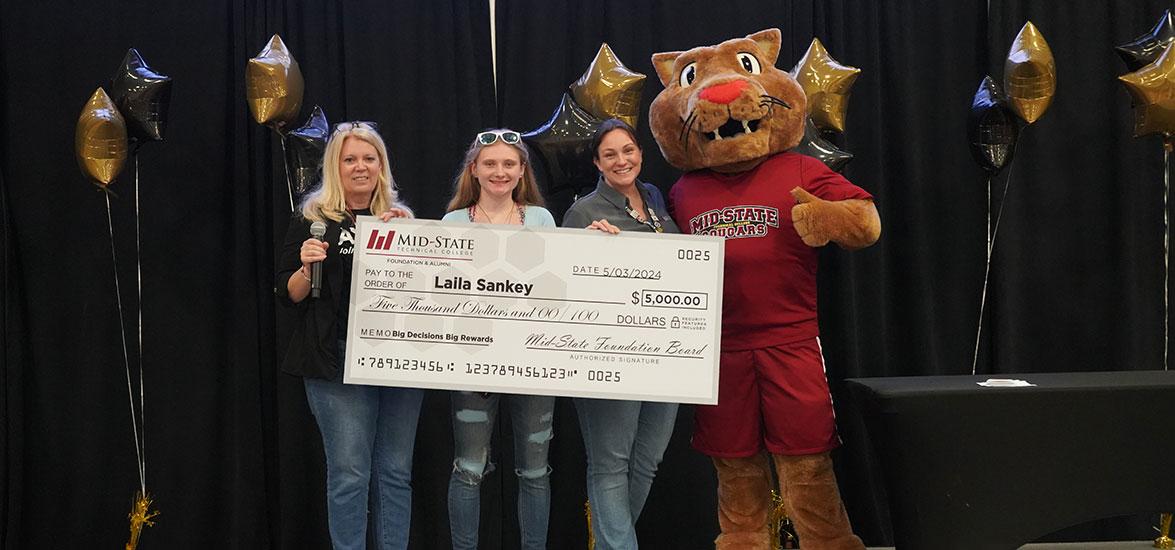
[(474, 416)]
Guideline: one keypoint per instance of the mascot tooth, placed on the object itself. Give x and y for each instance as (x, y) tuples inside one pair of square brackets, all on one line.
[(727, 117)]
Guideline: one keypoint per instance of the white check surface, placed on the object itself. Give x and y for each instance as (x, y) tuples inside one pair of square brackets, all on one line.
[(547, 311)]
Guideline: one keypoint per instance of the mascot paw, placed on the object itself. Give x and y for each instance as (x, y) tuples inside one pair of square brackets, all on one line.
[(807, 218), (850, 223)]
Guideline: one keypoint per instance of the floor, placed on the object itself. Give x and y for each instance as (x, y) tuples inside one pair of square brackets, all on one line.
[(1133, 545)]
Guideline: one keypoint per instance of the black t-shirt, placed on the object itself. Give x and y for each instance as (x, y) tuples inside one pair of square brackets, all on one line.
[(346, 248)]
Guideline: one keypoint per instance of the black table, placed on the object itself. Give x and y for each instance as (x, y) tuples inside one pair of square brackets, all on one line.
[(978, 468)]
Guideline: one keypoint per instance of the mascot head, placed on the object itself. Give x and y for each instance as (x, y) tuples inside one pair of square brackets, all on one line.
[(726, 107)]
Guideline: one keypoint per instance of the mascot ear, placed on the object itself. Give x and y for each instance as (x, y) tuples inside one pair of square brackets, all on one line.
[(663, 62), (769, 41)]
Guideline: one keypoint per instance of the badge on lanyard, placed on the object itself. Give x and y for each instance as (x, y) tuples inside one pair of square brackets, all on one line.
[(653, 221)]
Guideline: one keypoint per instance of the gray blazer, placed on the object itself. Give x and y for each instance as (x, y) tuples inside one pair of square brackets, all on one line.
[(609, 204)]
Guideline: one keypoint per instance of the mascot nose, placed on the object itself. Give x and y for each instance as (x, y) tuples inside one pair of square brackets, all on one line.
[(724, 93)]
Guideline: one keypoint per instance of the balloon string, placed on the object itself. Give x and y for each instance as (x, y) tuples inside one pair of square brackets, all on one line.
[(992, 231), (1166, 250), (289, 184), (986, 269), (139, 284), (125, 357), (989, 176)]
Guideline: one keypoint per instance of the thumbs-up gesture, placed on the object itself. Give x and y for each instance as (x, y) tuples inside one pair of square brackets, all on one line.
[(850, 223), (809, 217)]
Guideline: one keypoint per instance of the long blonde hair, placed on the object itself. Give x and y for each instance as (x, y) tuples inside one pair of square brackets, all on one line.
[(467, 191), (329, 201)]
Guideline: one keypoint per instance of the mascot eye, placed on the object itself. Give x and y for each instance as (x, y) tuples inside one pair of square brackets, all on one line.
[(749, 62), (688, 74)]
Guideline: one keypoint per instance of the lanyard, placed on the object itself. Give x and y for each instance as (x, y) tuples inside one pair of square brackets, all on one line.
[(653, 221)]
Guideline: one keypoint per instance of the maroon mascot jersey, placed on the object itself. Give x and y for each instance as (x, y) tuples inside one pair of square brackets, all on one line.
[(769, 295)]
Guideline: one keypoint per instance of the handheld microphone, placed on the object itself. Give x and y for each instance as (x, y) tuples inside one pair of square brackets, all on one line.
[(317, 230)]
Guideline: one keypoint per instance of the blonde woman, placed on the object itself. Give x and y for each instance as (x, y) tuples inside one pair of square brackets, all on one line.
[(496, 185), (367, 431)]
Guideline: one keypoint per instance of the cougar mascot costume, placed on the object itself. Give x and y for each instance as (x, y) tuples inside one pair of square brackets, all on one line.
[(727, 117)]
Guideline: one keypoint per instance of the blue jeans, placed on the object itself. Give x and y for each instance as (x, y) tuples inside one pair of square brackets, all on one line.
[(474, 415), (625, 441), (367, 432)]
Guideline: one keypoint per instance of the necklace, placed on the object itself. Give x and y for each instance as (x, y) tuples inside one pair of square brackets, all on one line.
[(505, 219)]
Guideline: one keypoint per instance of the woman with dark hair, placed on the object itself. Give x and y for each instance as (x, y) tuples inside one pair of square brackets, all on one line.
[(367, 431), (496, 185), (624, 440)]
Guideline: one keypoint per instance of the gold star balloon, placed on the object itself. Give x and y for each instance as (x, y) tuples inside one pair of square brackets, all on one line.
[(100, 139), (609, 89), (1030, 74), (1153, 90), (826, 83), (273, 85)]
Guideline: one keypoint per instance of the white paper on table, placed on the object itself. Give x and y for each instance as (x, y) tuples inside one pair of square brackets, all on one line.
[(1005, 383)]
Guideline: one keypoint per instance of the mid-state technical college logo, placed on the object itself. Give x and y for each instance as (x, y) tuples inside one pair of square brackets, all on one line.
[(381, 240), (418, 246), (735, 222)]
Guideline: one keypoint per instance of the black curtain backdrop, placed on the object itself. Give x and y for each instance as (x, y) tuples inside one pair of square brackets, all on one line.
[(1084, 213), (234, 457)]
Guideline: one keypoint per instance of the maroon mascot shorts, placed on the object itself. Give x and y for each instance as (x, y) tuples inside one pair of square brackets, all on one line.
[(773, 397)]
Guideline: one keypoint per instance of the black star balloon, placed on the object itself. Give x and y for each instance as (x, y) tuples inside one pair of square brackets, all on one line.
[(816, 146), (1144, 50), (992, 127), (304, 149), (564, 142), (142, 95)]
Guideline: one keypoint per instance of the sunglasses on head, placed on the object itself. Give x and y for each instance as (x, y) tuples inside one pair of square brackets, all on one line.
[(507, 136), (348, 126)]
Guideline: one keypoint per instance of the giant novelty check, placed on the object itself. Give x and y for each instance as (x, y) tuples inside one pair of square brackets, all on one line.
[(546, 311)]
